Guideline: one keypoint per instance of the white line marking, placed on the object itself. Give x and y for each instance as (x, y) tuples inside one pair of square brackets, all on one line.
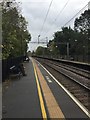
[(84, 109), (38, 64), (49, 81), (47, 77)]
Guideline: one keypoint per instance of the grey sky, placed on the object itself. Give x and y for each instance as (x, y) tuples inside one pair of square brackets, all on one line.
[(35, 12)]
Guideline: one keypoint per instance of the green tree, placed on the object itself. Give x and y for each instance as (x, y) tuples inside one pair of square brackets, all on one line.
[(14, 30), (39, 51), (42, 51), (82, 26), (61, 38)]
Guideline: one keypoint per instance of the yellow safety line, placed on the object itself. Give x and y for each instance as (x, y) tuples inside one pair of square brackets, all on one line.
[(44, 115), (51, 103)]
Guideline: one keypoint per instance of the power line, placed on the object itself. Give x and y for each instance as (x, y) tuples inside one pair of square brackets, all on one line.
[(61, 10), (56, 16), (46, 16), (60, 13), (75, 15)]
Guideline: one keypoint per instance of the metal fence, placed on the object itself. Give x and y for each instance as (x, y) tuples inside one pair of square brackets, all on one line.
[(7, 63)]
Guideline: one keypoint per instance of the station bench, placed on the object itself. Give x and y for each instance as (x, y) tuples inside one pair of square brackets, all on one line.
[(14, 72)]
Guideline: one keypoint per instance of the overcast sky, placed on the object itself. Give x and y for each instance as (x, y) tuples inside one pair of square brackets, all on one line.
[(35, 12)]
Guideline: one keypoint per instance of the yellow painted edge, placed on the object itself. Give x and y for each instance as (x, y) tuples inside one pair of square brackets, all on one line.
[(44, 115)]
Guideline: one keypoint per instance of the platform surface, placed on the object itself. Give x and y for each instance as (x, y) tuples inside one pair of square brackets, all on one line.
[(22, 97)]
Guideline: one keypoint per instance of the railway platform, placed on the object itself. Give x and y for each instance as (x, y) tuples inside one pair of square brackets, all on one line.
[(39, 95)]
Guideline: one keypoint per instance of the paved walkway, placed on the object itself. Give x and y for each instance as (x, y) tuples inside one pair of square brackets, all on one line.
[(20, 100), (38, 95)]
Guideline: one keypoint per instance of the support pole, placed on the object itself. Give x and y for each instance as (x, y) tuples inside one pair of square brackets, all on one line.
[(38, 38), (67, 50)]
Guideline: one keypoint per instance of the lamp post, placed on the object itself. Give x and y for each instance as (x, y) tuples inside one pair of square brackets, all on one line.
[(38, 38)]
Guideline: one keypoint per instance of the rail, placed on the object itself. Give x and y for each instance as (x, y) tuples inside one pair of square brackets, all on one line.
[(81, 65), (76, 84)]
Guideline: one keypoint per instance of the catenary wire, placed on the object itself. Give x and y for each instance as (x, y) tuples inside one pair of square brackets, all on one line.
[(46, 17), (75, 15), (59, 13), (61, 10)]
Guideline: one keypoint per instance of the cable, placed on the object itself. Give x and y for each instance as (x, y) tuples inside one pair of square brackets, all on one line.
[(46, 17), (61, 10), (75, 15), (60, 13)]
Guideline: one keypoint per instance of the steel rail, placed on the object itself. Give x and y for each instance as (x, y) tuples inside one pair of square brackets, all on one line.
[(72, 69), (70, 78)]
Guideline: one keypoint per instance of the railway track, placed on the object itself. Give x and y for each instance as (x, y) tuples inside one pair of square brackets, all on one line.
[(76, 70), (74, 79), (73, 69)]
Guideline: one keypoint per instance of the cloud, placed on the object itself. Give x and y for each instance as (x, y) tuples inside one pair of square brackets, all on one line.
[(35, 12)]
